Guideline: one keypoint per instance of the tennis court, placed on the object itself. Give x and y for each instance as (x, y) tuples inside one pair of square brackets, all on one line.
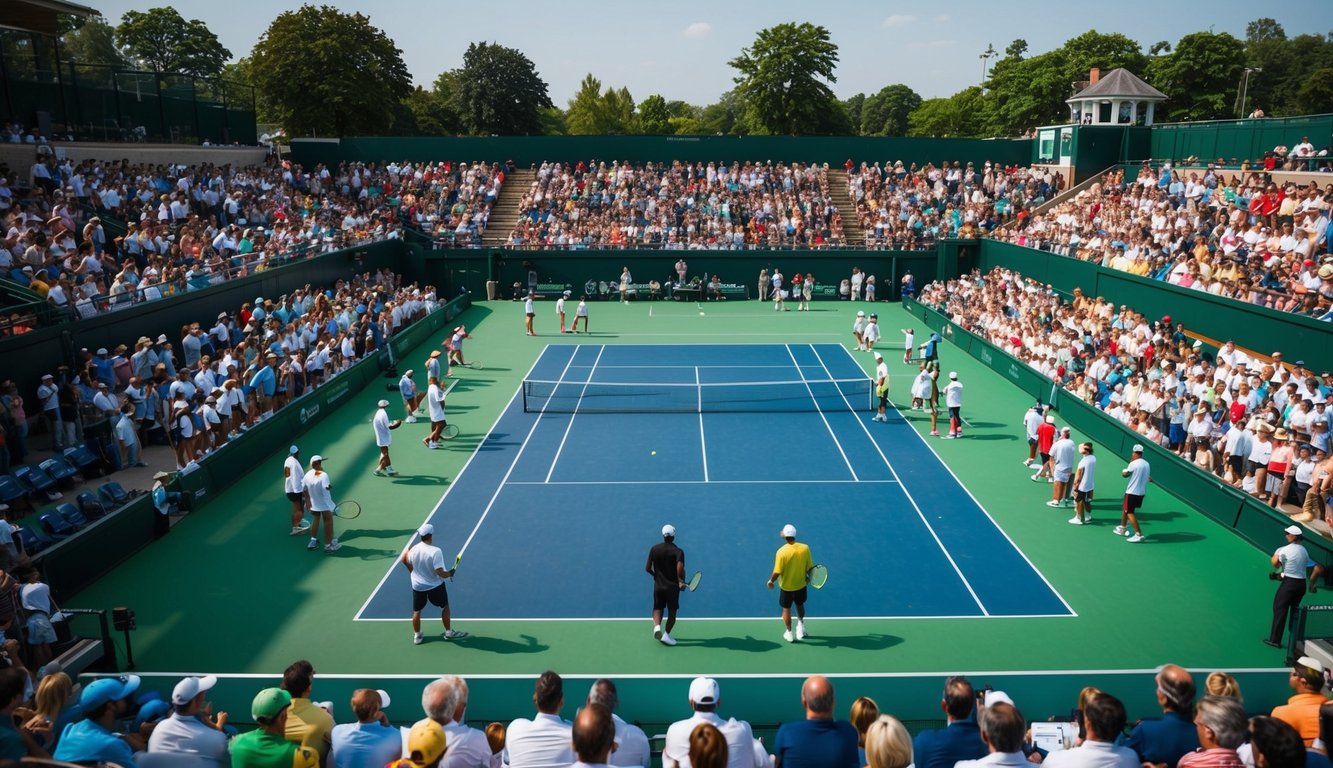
[(601, 445)]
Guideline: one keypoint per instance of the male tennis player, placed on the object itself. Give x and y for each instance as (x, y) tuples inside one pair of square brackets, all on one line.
[(666, 564), (953, 399), (411, 398), (881, 387), (1139, 473), (790, 567), (425, 564), (319, 496), (294, 487), (560, 310), (581, 313), (383, 439)]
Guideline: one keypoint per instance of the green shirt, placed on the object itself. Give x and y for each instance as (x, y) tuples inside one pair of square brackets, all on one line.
[(259, 749)]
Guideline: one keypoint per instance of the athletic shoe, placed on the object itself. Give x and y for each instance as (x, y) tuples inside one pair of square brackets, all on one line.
[(333, 546), (1076, 521), (788, 636), (1135, 539), (425, 441), (1052, 503), (313, 545), (380, 473), (1119, 530), (433, 446), (800, 630), (453, 634), (300, 529), (1036, 477), (934, 433), (657, 631), (417, 638), (1050, 480), (1027, 463), (950, 436), (668, 639), (411, 418), (392, 472)]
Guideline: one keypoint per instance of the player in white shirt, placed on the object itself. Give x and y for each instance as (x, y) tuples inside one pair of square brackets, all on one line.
[(293, 484), (1031, 421), (1084, 482), (858, 330), (953, 400), (425, 567), (319, 494), (581, 313), (909, 343), (1062, 468), (560, 311), (881, 387), (1139, 473), (435, 410), (528, 310), (383, 439), (871, 333)]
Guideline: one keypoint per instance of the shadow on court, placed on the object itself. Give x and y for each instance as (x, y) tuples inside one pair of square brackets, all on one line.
[(748, 643), (502, 645), (990, 437), (1173, 537), (364, 553), (420, 480), (353, 533), (872, 642)]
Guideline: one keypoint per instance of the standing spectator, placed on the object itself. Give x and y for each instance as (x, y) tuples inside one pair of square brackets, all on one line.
[(267, 746), (626, 285), (425, 567), (1295, 569), (371, 740), (127, 438), (631, 742), (1139, 473), (1103, 723), (1173, 735), (191, 729), (383, 439), (293, 484), (1085, 481), (960, 739), (308, 724), (953, 400), (858, 277), (545, 740), (870, 288), (48, 396), (319, 497), (818, 741), (445, 701), (764, 283)]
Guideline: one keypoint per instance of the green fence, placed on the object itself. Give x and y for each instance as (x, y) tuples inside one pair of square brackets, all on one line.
[(528, 150), (1237, 140), (1243, 515), (1260, 329)]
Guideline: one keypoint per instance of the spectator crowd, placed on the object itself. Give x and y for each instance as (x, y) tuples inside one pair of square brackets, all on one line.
[(1259, 423)]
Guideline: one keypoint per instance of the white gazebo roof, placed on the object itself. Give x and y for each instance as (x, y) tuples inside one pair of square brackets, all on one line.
[(1119, 84)]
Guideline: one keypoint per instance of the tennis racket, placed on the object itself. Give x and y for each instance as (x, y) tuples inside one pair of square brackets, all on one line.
[(693, 583), (395, 424), (457, 560), (449, 432), (474, 365), (347, 510), (817, 576)]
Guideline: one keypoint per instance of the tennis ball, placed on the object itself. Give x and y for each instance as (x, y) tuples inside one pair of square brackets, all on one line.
[(654, 453), (701, 314)]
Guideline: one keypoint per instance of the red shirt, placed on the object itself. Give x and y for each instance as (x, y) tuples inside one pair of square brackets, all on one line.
[(1045, 437)]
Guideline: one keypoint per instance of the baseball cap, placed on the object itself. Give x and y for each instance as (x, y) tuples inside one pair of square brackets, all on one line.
[(953, 374), (704, 690), (383, 403), (788, 531), (161, 338), (187, 689), (425, 742), (436, 353), (384, 698), (293, 450), (1311, 662), (860, 313), (426, 530), (879, 356), (1138, 448), (1065, 430), (107, 689), (1294, 530), (101, 350), (998, 697), (269, 702), (668, 530), (47, 376), (316, 459), (152, 710)]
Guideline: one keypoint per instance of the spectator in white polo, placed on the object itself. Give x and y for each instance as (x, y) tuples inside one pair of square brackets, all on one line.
[(192, 728), (319, 496), (371, 740), (545, 740), (631, 742), (743, 749), (1062, 462), (293, 485), (445, 702), (127, 437)]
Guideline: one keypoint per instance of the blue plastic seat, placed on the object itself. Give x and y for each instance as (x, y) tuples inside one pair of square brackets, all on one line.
[(33, 542), (11, 490), (113, 493), (36, 481), (72, 515), (80, 456), (56, 527), (59, 469), (91, 506)]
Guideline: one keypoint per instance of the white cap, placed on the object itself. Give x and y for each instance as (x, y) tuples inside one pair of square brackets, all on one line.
[(668, 530), (1293, 530), (383, 404), (704, 690), (879, 356), (101, 350), (788, 531), (953, 374), (860, 313), (187, 689), (998, 697), (316, 459), (384, 698), (293, 450), (426, 530), (1138, 448)]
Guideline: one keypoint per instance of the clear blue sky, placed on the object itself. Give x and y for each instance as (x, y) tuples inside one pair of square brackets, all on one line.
[(680, 48)]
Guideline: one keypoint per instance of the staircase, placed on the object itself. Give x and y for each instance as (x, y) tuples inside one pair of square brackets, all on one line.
[(505, 211), (842, 198)]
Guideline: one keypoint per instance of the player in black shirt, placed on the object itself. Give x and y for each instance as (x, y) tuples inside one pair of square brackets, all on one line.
[(666, 564)]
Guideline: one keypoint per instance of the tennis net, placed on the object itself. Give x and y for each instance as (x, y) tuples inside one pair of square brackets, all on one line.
[(732, 397)]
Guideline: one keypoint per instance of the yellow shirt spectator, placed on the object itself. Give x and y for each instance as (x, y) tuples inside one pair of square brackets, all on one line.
[(310, 726)]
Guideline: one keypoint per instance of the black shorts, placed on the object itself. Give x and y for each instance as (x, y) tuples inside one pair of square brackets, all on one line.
[(1045, 457), (884, 400), (438, 597), (1082, 495), (1132, 503), (955, 411), (788, 599), (1032, 441), (295, 497), (1237, 464), (666, 598)]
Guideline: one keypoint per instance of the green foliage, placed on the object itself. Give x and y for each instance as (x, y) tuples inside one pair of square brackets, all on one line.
[(1315, 96), (724, 117), (784, 78), (431, 113), (886, 113), (320, 70), (92, 42), (162, 40), (1016, 49), (854, 105), (654, 116), (960, 115), (1282, 66), (593, 111), (500, 92), (1199, 77)]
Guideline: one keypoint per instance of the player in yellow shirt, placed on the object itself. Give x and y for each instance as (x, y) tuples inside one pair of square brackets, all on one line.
[(790, 567)]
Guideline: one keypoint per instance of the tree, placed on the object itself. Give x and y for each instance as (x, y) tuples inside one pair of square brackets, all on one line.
[(886, 113), (1199, 77), (162, 40), (1316, 95), (959, 115), (431, 114), (1016, 49), (324, 71), (784, 78), (500, 92), (93, 42), (654, 116), (726, 116), (595, 112), (854, 105)]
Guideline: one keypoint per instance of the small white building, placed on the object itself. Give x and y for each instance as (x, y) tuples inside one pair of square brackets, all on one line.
[(1118, 98)]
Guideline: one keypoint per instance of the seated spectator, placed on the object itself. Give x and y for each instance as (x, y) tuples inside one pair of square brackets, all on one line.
[(445, 702), (308, 724), (1276, 744), (960, 739), (191, 729), (543, 741), (744, 750), (94, 739), (268, 746), (594, 736), (887, 744), (708, 747), (1223, 727), (631, 742), (1003, 730), (1103, 723), (1167, 739), (371, 740), (1302, 710), (426, 745), (819, 739), (16, 742)]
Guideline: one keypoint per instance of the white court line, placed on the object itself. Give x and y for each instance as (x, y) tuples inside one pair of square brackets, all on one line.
[(604, 367), (445, 495), (698, 482), (769, 619), (703, 441), (822, 417), (677, 334), (906, 492), (556, 459)]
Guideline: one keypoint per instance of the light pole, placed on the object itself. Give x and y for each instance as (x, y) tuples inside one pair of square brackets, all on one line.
[(1245, 89), (985, 57)]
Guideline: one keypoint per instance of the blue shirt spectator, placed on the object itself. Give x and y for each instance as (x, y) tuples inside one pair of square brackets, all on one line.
[(818, 741)]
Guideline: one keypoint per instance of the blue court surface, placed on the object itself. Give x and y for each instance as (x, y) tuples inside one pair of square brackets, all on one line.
[(556, 510)]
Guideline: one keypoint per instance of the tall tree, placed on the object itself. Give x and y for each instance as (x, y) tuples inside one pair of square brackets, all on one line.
[(886, 113), (500, 92), (725, 116), (597, 112), (1316, 94), (162, 40), (960, 115), (324, 71), (93, 41), (784, 77), (1199, 76), (654, 116), (854, 106)]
